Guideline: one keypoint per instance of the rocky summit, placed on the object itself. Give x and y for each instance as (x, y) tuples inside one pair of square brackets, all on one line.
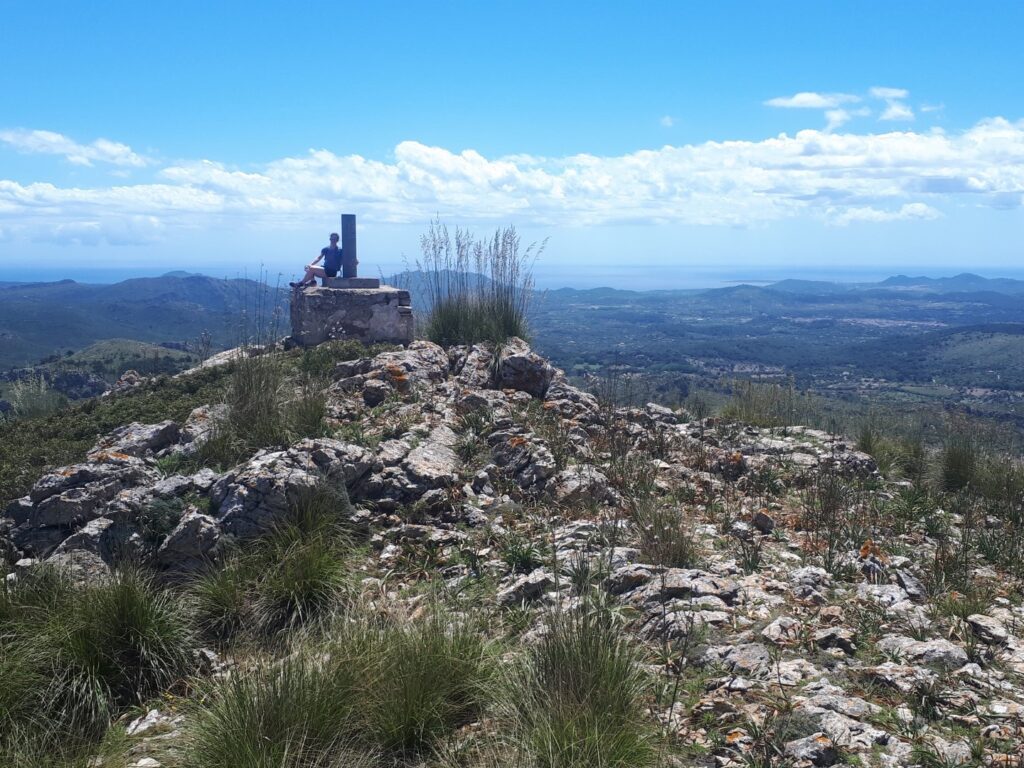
[(790, 606)]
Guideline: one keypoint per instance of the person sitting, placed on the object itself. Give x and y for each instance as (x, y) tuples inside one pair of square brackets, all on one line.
[(331, 256)]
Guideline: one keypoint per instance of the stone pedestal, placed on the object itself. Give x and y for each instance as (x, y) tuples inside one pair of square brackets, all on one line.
[(368, 315), (351, 282)]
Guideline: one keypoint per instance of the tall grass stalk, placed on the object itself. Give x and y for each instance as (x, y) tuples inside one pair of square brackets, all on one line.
[(477, 290)]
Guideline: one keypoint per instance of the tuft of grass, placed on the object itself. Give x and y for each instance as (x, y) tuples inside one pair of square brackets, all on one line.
[(958, 463), (664, 536), (33, 397), (295, 576), (300, 712), (477, 290), (575, 699), (75, 656), (425, 679), (377, 687)]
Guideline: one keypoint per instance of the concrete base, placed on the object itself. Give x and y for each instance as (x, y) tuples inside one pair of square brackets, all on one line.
[(351, 282), (367, 315)]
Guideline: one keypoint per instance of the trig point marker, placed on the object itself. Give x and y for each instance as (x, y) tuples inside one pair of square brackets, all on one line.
[(349, 252), (351, 307)]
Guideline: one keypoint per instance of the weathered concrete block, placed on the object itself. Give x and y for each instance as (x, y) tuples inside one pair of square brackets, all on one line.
[(367, 315), (351, 282)]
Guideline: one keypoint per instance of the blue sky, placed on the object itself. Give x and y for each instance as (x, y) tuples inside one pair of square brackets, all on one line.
[(652, 143)]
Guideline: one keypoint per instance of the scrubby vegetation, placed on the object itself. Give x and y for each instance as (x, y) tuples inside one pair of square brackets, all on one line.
[(479, 578)]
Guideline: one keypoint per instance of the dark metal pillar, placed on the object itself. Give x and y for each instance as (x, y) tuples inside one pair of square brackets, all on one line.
[(349, 256)]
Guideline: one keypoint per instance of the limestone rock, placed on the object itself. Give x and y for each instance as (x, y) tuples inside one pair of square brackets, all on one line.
[(255, 496), (940, 652), (520, 368), (433, 463), (77, 494), (191, 544), (136, 439), (581, 484), (987, 629), (526, 588), (816, 749)]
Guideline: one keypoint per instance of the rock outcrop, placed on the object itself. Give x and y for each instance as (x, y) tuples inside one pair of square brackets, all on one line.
[(488, 467)]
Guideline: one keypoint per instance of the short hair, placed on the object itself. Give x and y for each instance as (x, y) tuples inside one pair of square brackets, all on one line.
[(334, 236)]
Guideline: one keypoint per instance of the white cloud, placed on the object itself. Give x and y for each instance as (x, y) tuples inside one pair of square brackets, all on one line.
[(868, 213), (838, 178), (667, 121), (880, 92), (836, 118), (812, 100), (895, 109), (51, 143)]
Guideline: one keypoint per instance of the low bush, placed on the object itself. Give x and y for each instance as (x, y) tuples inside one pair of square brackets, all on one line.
[(295, 575), (376, 687), (426, 678)]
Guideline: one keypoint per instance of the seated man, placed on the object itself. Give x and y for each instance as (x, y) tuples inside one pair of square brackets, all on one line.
[(332, 263)]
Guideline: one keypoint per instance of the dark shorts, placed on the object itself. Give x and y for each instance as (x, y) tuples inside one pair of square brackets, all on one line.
[(330, 272)]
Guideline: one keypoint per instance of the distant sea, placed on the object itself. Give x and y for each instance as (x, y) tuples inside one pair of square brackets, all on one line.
[(634, 276)]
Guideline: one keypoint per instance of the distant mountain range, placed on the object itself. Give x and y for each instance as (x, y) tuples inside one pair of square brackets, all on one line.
[(38, 320), (962, 283)]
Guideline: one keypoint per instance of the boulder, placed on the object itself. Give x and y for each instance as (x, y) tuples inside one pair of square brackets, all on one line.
[(581, 484), (433, 463), (939, 653), (526, 588), (522, 369), (136, 439), (191, 544), (77, 494), (254, 497)]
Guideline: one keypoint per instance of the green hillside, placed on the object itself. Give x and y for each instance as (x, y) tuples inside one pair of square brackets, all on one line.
[(39, 320)]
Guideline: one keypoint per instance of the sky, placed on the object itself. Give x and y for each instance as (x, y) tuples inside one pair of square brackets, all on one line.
[(654, 144)]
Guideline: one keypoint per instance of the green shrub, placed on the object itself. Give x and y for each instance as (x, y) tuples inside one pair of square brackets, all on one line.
[(117, 643), (33, 397), (958, 463), (222, 599), (302, 580), (575, 700), (295, 575)]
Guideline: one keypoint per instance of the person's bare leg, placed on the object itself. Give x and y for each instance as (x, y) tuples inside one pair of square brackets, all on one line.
[(312, 273)]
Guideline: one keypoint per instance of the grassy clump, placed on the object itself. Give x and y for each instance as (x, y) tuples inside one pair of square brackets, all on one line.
[(377, 687), (294, 576), (300, 712), (73, 657), (33, 397), (664, 537), (476, 290), (575, 699)]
